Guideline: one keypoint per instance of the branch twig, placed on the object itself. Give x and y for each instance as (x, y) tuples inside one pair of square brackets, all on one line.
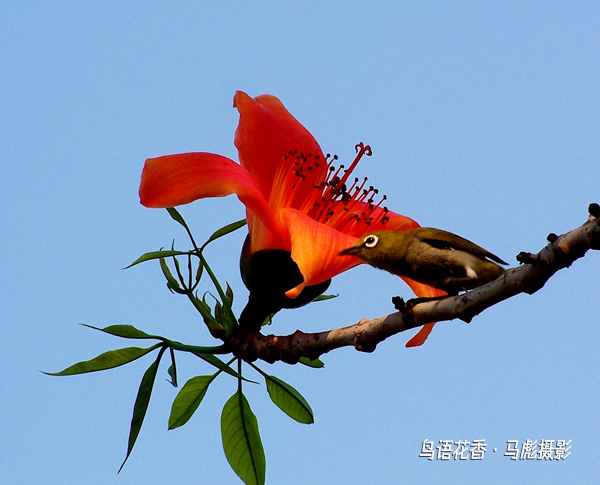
[(528, 278)]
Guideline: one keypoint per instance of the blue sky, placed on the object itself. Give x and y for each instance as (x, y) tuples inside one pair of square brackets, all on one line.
[(483, 119)]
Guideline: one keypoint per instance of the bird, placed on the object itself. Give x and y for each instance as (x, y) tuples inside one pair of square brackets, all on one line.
[(430, 256)]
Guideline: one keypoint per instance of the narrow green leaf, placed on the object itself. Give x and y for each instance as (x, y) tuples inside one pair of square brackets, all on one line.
[(213, 326), (155, 255), (188, 399), (141, 404), (325, 297), (172, 375), (176, 216), (229, 295), (172, 282), (315, 363), (172, 371), (213, 278), (125, 331), (199, 272), (289, 400), (241, 440), (107, 360), (234, 226)]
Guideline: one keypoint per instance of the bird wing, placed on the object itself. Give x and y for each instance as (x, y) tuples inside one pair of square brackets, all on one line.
[(446, 240)]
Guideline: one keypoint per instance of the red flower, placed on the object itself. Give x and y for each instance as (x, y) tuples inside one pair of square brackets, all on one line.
[(297, 203)]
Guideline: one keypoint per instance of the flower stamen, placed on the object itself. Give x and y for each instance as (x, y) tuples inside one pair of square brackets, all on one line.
[(330, 201)]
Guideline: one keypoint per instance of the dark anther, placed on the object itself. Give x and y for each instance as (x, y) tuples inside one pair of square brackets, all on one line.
[(551, 237), (594, 210)]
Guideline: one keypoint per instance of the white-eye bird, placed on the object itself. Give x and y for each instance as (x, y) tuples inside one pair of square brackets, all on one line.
[(431, 256)]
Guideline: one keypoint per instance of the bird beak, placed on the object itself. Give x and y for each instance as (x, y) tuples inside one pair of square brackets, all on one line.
[(349, 251)]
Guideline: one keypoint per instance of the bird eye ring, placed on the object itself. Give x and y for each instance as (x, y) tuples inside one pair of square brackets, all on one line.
[(371, 241)]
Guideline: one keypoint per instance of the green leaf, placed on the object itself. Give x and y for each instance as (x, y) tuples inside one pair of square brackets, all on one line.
[(125, 331), (234, 226), (173, 375), (176, 216), (241, 440), (315, 363), (325, 297), (289, 400), (172, 370), (155, 255), (141, 404), (172, 283), (107, 360), (188, 399), (199, 272), (229, 295), (213, 325)]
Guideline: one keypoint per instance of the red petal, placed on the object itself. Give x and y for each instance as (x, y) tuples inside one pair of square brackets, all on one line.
[(179, 179), (397, 222), (265, 134), (424, 291), (315, 249), (421, 336)]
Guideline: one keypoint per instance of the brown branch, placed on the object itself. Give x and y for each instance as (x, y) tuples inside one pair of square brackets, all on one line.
[(528, 278)]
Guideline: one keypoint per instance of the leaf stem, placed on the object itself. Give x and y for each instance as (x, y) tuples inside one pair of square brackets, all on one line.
[(218, 349)]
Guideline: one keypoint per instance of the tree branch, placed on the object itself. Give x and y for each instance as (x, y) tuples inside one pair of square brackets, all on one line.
[(528, 278)]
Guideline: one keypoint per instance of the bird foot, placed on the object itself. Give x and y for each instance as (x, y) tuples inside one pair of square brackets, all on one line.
[(403, 306), (399, 303), (527, 258)]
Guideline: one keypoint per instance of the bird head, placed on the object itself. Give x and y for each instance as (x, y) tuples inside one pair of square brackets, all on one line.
[(375, 247)]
